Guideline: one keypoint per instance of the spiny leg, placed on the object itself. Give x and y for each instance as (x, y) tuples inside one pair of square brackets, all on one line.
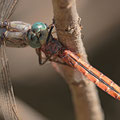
[(50, 33), (39, 53)]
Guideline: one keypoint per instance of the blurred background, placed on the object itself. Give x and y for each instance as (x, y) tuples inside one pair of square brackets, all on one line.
[(41, 91)]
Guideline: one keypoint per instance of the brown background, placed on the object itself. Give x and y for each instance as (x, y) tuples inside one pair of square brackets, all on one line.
[(44, 89)]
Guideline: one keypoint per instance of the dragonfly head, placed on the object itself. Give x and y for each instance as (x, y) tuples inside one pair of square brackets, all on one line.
[(37, 35)]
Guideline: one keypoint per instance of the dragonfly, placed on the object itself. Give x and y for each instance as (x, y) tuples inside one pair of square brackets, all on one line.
[(40, 37)]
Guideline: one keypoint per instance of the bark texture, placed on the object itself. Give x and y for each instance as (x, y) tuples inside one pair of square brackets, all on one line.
[(84, 93)]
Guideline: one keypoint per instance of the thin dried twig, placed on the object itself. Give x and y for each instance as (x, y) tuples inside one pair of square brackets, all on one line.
[(84, 93)]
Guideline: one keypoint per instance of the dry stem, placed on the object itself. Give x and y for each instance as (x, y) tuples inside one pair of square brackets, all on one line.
[(84, 94)]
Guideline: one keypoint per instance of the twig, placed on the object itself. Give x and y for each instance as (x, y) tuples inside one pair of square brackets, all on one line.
[(84, 94)]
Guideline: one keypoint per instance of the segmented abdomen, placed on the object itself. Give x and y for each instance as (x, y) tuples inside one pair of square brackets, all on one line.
[(92, 74)]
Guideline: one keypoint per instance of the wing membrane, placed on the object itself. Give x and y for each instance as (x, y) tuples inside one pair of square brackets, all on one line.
[(6, 8), (7, 99)]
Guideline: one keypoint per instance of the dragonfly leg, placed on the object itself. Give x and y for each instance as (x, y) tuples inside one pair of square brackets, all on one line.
[(50, 33), (43, 62), (48, 58), (39, 53)]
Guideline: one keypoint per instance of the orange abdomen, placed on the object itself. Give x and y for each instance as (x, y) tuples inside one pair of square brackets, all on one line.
[(92, 74)]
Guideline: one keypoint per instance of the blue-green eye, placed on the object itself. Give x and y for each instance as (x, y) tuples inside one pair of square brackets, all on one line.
[(38, 26), (37, 35)]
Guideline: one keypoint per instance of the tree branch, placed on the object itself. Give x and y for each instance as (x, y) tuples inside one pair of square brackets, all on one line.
[(84, 95)]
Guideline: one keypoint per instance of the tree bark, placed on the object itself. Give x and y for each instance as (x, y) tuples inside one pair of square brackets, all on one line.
[(84, 93)]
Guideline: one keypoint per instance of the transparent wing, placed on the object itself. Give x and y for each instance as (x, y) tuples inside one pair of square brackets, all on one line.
[(7, 100), (6, 8)]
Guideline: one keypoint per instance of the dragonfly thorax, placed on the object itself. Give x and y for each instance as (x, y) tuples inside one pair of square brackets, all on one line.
[(37, 35)]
